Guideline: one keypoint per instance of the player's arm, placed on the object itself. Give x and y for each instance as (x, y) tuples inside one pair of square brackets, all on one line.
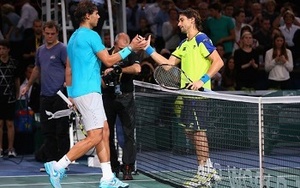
[(109, 60), (158, 58), (217, 63), (68, 73)]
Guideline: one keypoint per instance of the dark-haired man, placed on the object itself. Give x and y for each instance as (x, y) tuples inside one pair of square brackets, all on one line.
[(200, 61), (86, 52)]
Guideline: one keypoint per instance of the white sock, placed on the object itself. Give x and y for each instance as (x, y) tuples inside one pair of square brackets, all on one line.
[(107, 173), (200, 168), (209, 163), (62, 163)]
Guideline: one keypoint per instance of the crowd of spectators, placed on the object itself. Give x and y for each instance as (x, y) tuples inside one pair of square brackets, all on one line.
[(225, 22)]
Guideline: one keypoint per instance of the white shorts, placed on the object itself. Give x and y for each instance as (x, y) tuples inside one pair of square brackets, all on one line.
[(92, 110)]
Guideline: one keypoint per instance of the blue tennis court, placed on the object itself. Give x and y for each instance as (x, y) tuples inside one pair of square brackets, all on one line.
[(24, 171)]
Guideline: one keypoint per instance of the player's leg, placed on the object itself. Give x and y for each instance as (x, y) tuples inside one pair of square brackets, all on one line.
[(88, 105), (197, 134), (109, 106)]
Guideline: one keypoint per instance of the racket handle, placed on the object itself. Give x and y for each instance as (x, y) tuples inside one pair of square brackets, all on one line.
[(189, 88), (64, 98)]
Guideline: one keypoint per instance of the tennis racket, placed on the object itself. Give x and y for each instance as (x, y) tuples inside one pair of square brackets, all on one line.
[(171, 77), (76, 116)]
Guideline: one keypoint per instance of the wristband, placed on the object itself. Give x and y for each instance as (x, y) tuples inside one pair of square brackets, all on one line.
[(149, 50), (129, 47), (125, 52), (205, 78)]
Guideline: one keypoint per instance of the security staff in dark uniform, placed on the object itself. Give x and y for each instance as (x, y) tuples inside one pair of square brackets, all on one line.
[(117, 89)]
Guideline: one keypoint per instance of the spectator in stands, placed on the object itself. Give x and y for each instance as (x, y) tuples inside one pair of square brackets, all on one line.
[(239, 17), (275, 31), (256, 15), (246, 63), (33, 93), (144, 27), (270, 11), (247, 28), (228, 10), (118, 101), (151, 11), (263, 36), (204, 13), (50, 69), (221, 28), (228, 82), (216, 81), (279, 21), (239, 4), (107, 40), (28, 15), (134, 13), (170, 31), (296, 56), (195, 4), (221, 51), (161, 17), (10, 21), (288, 29), (279, 64), (200, 47), (31, 43), (9, 91)]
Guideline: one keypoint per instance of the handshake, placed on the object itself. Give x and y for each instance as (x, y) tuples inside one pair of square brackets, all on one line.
[(141, 43)]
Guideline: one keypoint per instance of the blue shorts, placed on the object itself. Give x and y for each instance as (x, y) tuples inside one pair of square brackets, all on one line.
[(194, 113)]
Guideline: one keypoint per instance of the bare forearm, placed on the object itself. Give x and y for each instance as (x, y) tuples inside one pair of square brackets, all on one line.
[(34, 76)]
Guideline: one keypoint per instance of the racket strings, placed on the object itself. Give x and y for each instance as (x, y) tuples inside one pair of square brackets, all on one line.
[(168, 76)]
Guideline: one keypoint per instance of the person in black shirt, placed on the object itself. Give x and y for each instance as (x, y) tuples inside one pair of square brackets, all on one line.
[(9, 90), (117, 87)]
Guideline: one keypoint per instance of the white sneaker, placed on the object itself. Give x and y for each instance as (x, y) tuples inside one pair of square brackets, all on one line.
[(12, 153), (197, 181), (113, 183), (211, 176)]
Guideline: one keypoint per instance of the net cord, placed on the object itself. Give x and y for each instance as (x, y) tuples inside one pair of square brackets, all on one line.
[(226, 96)]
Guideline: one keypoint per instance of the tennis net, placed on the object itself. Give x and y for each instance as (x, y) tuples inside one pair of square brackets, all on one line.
[(253, 137)]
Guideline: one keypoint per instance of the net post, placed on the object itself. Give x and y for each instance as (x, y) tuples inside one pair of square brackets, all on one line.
[(261, 141)]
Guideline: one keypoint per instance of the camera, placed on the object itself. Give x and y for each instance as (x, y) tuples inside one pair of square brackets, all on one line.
[(113, 79)]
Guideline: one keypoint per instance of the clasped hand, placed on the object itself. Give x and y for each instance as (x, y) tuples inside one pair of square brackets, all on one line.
[(138, 43)]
